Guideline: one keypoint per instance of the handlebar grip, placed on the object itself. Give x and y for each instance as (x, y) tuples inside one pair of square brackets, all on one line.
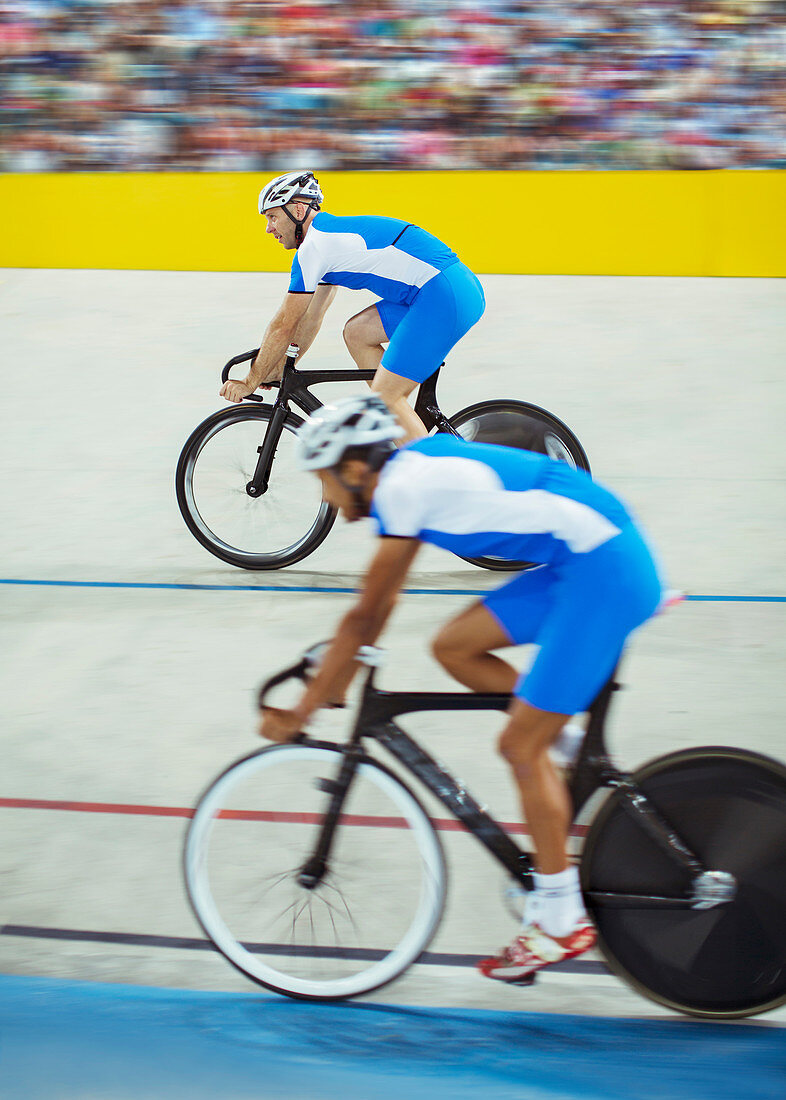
[(244, 358), (297, 671), (292, 353)]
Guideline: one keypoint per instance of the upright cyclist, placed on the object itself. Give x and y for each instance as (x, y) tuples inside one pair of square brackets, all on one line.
[(598, 584), (428, 298)]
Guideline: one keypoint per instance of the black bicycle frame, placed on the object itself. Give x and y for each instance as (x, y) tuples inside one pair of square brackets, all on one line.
[(295, 386), (593, 770), (375, 720)]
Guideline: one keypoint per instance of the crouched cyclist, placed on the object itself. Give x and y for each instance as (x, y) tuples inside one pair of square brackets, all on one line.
[(599, 582)]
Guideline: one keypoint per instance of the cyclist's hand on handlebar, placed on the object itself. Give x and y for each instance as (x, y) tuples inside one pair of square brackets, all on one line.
[(279, 725), (235, 391)]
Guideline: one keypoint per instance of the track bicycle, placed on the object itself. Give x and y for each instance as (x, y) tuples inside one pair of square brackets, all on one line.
[(244, 499), (316, 871)]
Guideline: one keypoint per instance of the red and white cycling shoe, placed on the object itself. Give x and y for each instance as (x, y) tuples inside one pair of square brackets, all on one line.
[(533, 949)]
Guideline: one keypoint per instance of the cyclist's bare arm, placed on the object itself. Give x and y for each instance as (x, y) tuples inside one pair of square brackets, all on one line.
[(278, 336), (311, 321), (360, 626)]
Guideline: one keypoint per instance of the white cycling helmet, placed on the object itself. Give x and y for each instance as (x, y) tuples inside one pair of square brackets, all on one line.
[(287, 188), (333, 429)]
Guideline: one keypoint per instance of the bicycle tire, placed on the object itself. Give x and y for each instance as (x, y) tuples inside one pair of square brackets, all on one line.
[(526, 427), (729, 807), (255, 826), (274, 530)]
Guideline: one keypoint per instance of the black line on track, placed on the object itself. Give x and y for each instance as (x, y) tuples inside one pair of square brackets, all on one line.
[(193, 943)]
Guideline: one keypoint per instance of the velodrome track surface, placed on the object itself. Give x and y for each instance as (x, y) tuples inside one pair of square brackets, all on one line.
[(137, 1043), (131, 657)]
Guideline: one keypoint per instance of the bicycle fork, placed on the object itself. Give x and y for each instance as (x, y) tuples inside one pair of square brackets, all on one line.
[(258, 485), (313, 871)]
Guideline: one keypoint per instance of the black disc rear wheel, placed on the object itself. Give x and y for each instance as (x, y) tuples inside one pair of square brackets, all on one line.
[(729, 807)]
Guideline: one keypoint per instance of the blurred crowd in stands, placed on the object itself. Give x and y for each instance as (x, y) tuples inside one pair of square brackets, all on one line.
[(254, 85)]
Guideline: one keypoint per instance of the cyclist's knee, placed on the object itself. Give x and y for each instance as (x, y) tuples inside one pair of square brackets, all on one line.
[(360, 331), (522, 754), (445, 650), (526, 738), (351, 332), (391, 387), (453, 643), (514, 746)]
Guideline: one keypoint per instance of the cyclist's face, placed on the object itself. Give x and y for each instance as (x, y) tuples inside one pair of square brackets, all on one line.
[(282, 227), (338, 495)]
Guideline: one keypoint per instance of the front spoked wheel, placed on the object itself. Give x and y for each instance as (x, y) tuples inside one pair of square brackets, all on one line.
[(373, 911), (526, 427), (278, 528), (728, 959)]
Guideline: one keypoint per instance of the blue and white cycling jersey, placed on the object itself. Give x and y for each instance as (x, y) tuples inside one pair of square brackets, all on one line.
[(601, 581), (391, 258), (478, 500)]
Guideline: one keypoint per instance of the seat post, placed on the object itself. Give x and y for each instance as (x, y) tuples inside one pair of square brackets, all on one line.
[(427, 396), (592, 764)]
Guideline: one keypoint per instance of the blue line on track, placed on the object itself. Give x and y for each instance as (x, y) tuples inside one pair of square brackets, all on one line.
[(323, 589), (120, 1042)]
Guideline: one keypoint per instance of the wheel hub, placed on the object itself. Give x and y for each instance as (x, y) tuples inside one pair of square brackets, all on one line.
[(713, 888)]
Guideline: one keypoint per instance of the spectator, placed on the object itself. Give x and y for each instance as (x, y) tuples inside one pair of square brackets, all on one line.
[(254, 84)]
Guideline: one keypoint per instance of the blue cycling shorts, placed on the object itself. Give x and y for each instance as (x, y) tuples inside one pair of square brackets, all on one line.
[(422, 334), (579, 614)]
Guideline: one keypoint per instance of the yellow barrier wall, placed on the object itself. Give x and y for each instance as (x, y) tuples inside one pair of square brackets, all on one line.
[(593, 223)]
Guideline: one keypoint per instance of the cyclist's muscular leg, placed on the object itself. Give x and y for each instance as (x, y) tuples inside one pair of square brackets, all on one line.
[(463, 647), (394, 390), (545, 801), (364, 335)]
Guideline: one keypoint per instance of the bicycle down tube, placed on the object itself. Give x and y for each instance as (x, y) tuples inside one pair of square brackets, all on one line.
[(453, 794), (375, 721)]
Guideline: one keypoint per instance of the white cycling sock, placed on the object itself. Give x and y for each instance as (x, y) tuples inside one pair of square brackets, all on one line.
[(565, 748), (558, 902)]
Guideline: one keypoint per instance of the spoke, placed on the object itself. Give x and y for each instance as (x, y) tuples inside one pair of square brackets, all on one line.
[(343, 901), (290, 907), (312, 942), (331, 909)]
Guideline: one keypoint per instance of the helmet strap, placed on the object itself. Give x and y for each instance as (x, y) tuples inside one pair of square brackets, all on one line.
[(360, 505), (299, 222)]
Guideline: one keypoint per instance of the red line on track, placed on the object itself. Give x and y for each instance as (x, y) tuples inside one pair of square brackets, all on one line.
[(445, 825)]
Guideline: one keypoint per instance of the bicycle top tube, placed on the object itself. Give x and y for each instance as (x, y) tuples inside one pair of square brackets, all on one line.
[(379, 704), (387, 704), (297, 380)]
